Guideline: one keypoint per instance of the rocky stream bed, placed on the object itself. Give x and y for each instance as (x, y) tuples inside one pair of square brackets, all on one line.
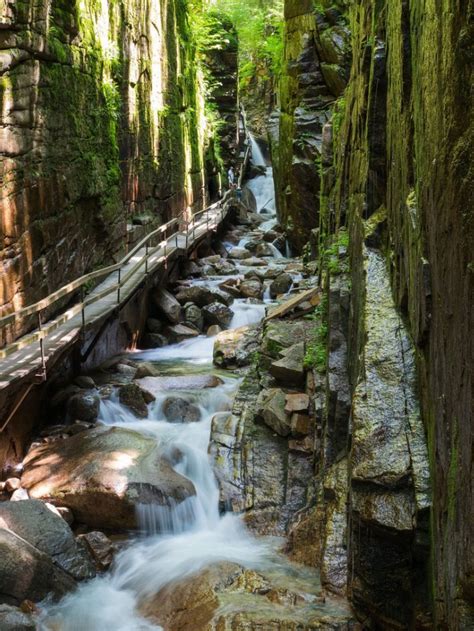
[(169, 492)]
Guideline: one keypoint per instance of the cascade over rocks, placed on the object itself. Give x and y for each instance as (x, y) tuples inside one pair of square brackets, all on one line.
[(217, 313), (102, 474)]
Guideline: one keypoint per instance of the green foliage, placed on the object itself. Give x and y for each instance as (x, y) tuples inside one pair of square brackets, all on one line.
[(338, 114), (316, 350), (259, 24), (331, 255)]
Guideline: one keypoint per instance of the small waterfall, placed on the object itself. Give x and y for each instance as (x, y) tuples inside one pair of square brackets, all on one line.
[(258, 159), (275, 251), (177, 539)]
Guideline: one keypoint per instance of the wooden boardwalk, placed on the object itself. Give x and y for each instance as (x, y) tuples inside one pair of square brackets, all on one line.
[(26, 359)]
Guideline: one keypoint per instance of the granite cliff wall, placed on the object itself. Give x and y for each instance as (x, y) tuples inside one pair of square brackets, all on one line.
[(102, 120), (395, 171)]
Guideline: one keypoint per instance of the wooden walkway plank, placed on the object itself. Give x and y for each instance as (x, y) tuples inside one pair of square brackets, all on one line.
[(62, 331)]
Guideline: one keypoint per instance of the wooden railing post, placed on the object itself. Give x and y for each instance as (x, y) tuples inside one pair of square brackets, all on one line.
[(43, 361), (83, 313), (119, 284)]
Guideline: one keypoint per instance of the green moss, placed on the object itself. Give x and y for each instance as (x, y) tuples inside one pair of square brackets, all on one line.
[(316, 350)]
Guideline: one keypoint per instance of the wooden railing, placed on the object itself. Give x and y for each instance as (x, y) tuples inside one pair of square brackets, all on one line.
[(45, 329)]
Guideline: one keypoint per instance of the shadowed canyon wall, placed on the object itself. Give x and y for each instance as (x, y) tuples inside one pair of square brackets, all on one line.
[(387, 189), (102, 119)]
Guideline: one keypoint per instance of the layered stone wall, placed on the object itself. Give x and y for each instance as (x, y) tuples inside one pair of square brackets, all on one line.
[(102, 119), (396, 171), (404, 160), (315, 69)]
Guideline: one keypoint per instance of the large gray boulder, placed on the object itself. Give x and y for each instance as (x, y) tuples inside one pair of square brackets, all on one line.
[(281, 285), (252, 288), (102, 474), (168, 305), (193, 315), (236, 347), (179, 410), (84, 406), (289, 370), (271, 407), (26, 573), (198, 295), (34, 522), (217, 313), (180, 332), (135, 399)]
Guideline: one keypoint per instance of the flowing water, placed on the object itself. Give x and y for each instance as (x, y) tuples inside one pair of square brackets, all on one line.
[(179, 540), (262, 186)]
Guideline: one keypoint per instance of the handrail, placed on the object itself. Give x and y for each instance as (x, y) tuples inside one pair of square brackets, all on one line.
[(45, 329), (44, 303)]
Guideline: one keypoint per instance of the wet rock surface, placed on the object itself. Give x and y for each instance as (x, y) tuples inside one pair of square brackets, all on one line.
[(34, 522), (102, 474), (227, 596), (28, 573)]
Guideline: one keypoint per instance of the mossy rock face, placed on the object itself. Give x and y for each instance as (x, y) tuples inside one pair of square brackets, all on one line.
[(315, 72), (400, 160), (103, 109)]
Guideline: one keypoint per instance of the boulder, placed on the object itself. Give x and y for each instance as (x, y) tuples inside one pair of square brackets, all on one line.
[(26, 573), (14, 619), (270, 236), (157, 385), (102, 474), (222, 296), (146, 369), (213, 330), (35, 523), (178, 410), (193, 315), (281, 285), (271, 408), (154, 340), (19, 495), (290, 369), (236, 347), (198, 295), (100, 547), (84, 406), (263, 249), (180, 332), (168, 305), (84, 382), (126, 370), (217, 313), (253, 261), (190, 268), (298, 402), (231, 287), (251, 289), (135, 399), (239, 253), (225, 268)]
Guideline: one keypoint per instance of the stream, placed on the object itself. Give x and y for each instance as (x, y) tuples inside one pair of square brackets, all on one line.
[(180, 540)]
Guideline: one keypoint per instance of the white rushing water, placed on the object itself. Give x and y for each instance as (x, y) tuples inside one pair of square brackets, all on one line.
[(178, 540), (262, 186)]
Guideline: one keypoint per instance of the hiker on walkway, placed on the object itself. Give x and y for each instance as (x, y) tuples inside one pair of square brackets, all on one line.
[(231, 177)]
